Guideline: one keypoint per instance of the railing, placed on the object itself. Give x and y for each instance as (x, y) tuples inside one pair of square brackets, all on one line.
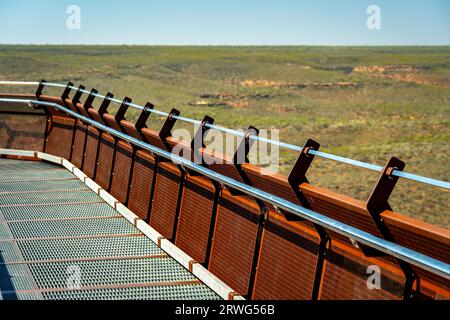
[(401, 174), (405, 254)]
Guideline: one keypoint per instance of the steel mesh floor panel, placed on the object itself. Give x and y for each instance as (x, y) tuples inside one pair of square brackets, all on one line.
[(5, 232), (21, 296), (34, 175), (178, 292), (111, 272), (55, 222), (15, 277), (57, 211), (70, 228), (21, 186), (88, 248), (9, 252), (49, 198), (5, 161), (21, 165)]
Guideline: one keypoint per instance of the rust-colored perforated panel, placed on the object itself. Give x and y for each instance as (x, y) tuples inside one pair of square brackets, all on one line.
[(165, 200), (427, 239), (53, 110), (59, 137), (196, 213), (122, 171), (22, 132), (105, 160), (345, 276), (141, 184), (221, 164), (79, 144), (287, 260), (273, 183), (130, 129), (91, 150), (235, 235), (152, 137), (340, 207), (21, 126), (110, 120)]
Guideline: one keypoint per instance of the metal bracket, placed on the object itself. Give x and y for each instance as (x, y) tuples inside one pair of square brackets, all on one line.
[(40, 88), (376, 204), (378, 199), (88, 103), (166, 130), (200, 134), (298, 172), (120, 115), (105, 104), (296, 177), (140, 123), (78, 94), (241, 154), (66, 91), (198, 141)]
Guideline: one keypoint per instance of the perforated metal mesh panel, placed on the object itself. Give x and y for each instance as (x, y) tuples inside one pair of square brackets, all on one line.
[(21, 131), (430, 285), (79, 144), (20, 296), (5, 233), (90, 159), (56, 249), (122, 171), (71, 228), (59, 138), (15, 277), (195, 217), (22, 165), (179, 292), (50, 197), (141, 184), (58, 212), (165, 201), (9, 251), (105, 160), (119, 272), (21, 186), (28, 175), (43, 234), (234, 242), (345, 278), (287, 262)]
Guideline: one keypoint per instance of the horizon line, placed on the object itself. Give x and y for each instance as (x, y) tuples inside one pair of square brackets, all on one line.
[(224, 45)]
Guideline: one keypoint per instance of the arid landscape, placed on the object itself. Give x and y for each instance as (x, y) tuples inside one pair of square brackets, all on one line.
[(366, 103)]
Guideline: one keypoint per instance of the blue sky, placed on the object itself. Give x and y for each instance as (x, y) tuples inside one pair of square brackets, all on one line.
[(227, 22)]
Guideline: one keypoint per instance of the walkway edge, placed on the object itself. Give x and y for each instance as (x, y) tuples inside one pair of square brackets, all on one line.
[(204, 275)]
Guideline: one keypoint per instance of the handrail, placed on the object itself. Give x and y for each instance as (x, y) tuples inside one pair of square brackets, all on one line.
[(401, 174), (423, 261)]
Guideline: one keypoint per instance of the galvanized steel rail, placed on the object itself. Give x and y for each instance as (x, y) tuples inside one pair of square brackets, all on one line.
[(428, 263), (401, 174)]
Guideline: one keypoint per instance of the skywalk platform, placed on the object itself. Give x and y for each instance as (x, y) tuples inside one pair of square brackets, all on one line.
[(60, 240)]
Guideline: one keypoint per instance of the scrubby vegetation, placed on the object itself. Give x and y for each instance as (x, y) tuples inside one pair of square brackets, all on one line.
[(367, 103)]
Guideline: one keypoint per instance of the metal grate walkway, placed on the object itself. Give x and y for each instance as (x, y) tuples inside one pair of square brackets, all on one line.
[(59, 240)]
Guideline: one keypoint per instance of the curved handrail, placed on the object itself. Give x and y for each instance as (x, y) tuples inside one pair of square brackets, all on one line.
[(428, 263), (401, 174)]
